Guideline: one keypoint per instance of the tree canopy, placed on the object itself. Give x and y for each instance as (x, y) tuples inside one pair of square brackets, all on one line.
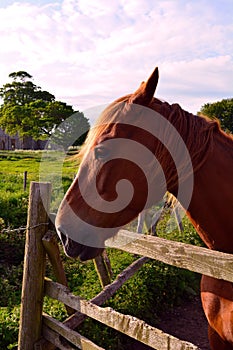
[(30, 111), (22, 91), (221, 110)]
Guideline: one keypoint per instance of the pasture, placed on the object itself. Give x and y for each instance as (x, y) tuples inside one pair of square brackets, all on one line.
[(154, 287)]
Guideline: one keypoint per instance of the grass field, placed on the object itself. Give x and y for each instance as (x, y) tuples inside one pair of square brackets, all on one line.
[(153, 288), (40, 166)]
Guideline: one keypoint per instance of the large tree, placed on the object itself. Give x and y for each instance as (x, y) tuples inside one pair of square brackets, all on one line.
[(221, 110), (30, 111), (22, 90)]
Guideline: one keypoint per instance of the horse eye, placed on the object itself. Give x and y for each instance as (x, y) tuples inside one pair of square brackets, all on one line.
[(101, 152)]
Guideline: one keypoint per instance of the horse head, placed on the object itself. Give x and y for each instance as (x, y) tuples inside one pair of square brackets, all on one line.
[(117, 174)]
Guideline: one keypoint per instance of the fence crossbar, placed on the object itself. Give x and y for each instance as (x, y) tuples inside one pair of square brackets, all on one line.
[(127, 324), (76, 319), (72, 336), (197, 259)]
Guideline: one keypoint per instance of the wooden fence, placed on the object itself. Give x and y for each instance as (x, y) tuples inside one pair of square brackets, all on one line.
[(41, 331)]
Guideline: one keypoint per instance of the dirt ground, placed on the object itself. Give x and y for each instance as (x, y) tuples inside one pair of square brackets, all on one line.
[(186, 321)]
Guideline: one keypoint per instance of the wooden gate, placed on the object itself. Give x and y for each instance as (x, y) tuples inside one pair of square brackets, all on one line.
[(41, 331)]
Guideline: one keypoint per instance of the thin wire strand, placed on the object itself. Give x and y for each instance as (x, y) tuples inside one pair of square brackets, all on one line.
[(24, 228)]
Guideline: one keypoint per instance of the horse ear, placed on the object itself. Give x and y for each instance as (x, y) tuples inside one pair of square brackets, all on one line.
[(146, 91)]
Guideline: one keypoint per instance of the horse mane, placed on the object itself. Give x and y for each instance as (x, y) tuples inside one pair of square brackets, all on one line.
[(197, 131)]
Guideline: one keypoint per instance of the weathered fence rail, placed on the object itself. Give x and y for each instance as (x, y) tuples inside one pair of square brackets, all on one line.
[(53, 328), (202, 260), (34, 324), (126, 324)]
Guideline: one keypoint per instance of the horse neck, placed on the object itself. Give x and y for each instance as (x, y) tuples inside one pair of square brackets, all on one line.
[(211, 151), (194, 131), (211, 205)]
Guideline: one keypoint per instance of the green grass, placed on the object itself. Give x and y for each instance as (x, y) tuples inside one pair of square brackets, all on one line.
[(40, 166), (154, 287), (13, 214)]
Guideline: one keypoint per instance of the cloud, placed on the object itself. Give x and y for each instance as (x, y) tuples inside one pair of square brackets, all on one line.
[(89, 54)]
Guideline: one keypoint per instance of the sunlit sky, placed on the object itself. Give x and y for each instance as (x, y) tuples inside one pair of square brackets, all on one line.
[(91, 52)]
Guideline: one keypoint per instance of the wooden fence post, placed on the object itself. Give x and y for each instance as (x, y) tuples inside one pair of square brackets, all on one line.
[(52, 250), (102, 270), (34, 266), (25, 174)]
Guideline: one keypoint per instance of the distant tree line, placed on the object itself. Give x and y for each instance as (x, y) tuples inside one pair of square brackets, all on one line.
[(27, 110), (221, 110)]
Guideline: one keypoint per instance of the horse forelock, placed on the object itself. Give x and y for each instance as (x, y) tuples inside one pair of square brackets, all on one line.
[(111, 115)]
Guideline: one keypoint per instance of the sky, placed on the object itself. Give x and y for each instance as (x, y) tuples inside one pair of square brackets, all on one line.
[(89, 53)]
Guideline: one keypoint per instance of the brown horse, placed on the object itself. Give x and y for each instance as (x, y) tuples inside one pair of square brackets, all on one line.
[(139, 149)]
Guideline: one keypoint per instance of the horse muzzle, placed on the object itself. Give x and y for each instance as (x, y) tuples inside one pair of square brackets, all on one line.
[(76, 250)]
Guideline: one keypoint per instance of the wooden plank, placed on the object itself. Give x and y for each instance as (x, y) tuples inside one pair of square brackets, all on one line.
[(34, 266), (76, 319), (53, 339), (50, 244), (126, 324), (102, 270), (190, 257), (73, 337)]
